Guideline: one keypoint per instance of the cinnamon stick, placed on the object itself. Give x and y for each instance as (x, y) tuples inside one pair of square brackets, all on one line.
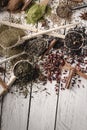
[(71, 72), (53, 42), (68, 67)]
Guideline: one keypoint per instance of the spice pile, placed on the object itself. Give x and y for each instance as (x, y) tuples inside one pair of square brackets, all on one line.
[(55, 71), (56, 57), (53, 65), (8, 38)]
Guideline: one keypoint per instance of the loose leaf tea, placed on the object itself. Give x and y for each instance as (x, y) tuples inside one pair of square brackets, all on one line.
[(22, 68), (36, 47), (73, 40)]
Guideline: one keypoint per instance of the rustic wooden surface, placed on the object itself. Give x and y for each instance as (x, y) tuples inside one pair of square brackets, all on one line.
[(45, 110)]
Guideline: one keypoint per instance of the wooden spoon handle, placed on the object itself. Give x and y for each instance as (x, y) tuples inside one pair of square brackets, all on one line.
[(3, 87), (11, 81), (20, 26), (12, 57), (48, 31)]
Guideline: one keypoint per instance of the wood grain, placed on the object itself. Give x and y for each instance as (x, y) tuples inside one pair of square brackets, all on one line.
[(15, 112), (43, 103), (72, 112), (43, 108), (14, 107)]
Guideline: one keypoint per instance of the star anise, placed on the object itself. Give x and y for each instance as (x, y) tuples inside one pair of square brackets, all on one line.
[(83, 16)]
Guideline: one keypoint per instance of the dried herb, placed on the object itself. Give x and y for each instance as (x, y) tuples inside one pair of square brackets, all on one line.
[(23, 68), (52, 66), (36, 47)]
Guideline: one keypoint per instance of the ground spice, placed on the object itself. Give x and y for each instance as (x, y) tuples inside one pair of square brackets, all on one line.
[(10, 37), (3, 28)]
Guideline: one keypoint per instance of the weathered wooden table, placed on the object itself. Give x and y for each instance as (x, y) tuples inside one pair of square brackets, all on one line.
[(41, 111)]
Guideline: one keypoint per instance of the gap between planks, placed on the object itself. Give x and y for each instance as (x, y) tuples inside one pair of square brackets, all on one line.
[(14, 110), (72, 112)]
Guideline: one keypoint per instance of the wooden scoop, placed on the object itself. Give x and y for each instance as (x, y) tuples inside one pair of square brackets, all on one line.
[(3, 87)]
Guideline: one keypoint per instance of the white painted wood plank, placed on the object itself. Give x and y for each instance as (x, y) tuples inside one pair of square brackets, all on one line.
[(43, 108), (15, 107), (3, 16), (2, 76), (72, 112), (15, 112)]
